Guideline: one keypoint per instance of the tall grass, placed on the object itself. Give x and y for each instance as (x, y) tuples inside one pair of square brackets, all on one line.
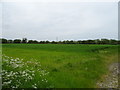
[(69, 66)]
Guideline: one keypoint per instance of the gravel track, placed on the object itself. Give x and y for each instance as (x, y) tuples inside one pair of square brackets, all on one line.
[(111, 80)]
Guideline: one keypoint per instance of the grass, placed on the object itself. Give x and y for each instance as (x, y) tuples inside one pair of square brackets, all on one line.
[(69, 65)]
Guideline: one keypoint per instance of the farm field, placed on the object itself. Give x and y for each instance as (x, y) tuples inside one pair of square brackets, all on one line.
[(55, 65)]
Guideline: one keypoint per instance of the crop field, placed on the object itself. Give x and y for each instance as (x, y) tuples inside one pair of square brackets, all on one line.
[(55, 65)]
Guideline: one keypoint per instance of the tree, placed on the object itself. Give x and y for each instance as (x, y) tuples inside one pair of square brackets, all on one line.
[(112, 41), (118, 41), (10, 41), (71, 42), (47, 42), (4, 40), (64, 42), (97, 41), (35, 41), (84, 42), (90, 41), (17, 41), (60, 42), (0, 40), (79, 42), (24, 40), (53, 42), (42, 42), (104, 41), (30, 41)]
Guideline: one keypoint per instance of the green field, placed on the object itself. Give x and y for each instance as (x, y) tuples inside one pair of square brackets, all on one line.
[(56, 65)]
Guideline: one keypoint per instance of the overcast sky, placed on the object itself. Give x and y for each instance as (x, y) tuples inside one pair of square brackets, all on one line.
[(67, 20)]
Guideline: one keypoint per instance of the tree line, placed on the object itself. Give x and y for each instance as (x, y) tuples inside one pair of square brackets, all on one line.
[(96, 41)]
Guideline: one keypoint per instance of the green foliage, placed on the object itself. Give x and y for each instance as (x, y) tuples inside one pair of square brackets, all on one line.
[(17, 41), (69, 65), (96, 41), (24, 40), (3, 40)]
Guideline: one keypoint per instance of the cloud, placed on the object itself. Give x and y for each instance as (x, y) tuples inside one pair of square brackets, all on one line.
[(59, 1), (46, 21)]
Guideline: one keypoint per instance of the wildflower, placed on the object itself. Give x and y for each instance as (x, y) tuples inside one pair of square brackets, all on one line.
[(20, 72)]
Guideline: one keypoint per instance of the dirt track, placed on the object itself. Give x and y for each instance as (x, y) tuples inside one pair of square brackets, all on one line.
[(111, 80)]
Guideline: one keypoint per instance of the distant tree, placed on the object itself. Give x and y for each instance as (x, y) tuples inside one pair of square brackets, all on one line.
[(10, 41), (60, 42), (53, 42), (35, 41), (0, 40), (30, 41), (84, 42), (79, 42), (67, 42), (90, 41), (97, 41), (113, 41), (104, 41), (42, 42), (17, 41), (118, 41), (47, 42), (71, 42), (4, 40), (24, 40), (64, 42), (76, 42)]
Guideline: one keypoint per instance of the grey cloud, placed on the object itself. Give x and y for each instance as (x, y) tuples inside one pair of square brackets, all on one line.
[(46, 21)]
